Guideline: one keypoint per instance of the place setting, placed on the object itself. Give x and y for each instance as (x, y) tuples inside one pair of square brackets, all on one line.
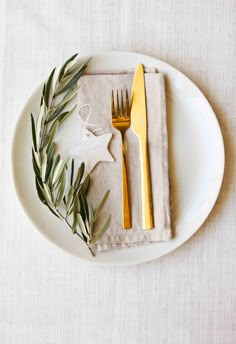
[(117, 158)]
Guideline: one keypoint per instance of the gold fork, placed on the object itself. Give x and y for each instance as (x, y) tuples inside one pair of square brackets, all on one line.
[(121, 122)]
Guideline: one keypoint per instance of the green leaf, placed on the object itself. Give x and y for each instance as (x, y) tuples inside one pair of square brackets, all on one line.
[(72, 71), (48, 86), (44, 161), (56, 161), (59, 170), (35, 165), (77, 189), (48, 169), (44, 141), (39, 191), (40, 181), (55, 80), (47, 193), (43, 91), (75, 215), (64, 66), (41, 196), (33, 133), (85, 185), (57, 112), (75, 78), (101, 205), (82, 227), (65, 115), (69, 198), (102, 230), (84, 204), (91, 213), (50, 151), (39, 121), (91, 221), (70, 94), (61, 190), (60, 106), (80, 174), (52, 211), (81, 208), (72, 171), (52, 135), (42, 95), (69, 67)]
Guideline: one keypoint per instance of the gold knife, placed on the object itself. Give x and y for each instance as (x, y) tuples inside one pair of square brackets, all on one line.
[(139, 125)]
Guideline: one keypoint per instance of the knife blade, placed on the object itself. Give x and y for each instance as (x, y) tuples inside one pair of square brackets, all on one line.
[(139, 125)]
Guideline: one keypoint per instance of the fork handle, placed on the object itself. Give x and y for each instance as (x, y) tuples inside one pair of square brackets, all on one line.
[(146, 191), (125, 191)]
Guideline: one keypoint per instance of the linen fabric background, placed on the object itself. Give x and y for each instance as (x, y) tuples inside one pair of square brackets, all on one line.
[(46, 296)]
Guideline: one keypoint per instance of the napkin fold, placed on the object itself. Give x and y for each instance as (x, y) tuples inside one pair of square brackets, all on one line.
[(96, 91)]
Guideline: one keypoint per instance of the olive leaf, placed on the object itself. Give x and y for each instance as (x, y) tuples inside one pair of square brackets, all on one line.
[(69, 68), (73, 70), (61, 189), (70, 94), (55, 81), (80, 174), (101, 205), (83, 205), (55, 183), (75, 216), (102, 230), (59, 171), (35, 164), (40, 120), (50, 154), (48, 86), (42, 95), (43, 164), (39, 191), (74, 78), (83, 227), (85, 185), (47, 194), (65, 115), (91, 221), (55, 163), (70, 199), (33, 132), (52, 135), (50, 151), (48, 169), (64, 66), (72, 171)]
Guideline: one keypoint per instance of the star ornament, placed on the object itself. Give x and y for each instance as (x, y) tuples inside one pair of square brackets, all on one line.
[(93, 149)]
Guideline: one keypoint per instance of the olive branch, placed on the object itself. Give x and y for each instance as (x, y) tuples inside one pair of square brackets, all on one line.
[(64, 193)]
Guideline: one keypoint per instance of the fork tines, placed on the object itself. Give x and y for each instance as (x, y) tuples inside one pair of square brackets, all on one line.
[(120, 110)]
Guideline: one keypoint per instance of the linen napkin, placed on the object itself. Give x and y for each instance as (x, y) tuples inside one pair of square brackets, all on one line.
[(96, 91)]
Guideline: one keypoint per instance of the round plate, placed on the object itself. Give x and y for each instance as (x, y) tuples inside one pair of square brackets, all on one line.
[(196, 157)]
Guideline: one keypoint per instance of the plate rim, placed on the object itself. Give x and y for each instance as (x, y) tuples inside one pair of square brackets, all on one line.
[(176, 243)]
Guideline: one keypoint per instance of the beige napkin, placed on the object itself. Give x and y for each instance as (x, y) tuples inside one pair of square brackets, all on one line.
[(96, 91)]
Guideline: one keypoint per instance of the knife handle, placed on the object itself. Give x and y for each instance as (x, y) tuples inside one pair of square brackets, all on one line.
[(146, 191), (125, 191)]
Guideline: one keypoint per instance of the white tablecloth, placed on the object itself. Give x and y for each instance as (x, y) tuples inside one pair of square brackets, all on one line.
[(188, 296)]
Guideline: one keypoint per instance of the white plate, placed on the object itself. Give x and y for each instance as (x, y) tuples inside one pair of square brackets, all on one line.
[(196, 155)]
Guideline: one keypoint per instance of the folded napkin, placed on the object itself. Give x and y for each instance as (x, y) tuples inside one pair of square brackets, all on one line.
[(96, 91)]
